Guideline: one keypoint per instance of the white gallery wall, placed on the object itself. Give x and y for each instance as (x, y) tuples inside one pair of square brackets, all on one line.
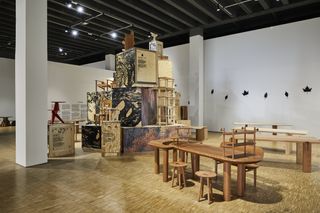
[(272, 60), (179, 56), (66, 82), (7, 87)]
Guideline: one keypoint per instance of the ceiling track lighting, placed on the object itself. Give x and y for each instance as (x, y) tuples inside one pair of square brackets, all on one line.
[(80, 9), (74, 32)]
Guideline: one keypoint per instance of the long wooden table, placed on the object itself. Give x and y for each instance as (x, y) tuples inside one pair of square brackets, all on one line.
[(303, 146), (215, 153)]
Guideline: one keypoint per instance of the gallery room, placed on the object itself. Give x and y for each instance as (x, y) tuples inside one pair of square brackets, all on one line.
[(159, 105)]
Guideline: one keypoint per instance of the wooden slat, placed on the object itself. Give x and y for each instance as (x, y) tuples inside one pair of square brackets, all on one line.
[(281, 131)]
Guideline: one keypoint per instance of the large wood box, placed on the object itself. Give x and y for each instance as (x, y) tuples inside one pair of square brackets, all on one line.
[(91, 137), (136, 68), (61, 139), (111, 138)]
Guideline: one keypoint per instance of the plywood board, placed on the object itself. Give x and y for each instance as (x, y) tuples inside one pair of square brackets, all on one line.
[(165, 68), (146, 66), (61, 139)]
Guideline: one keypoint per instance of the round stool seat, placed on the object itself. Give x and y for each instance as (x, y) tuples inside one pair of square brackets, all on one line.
[(206, 174), (178, 164)]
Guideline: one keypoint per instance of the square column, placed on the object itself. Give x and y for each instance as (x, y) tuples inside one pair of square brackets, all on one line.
[(196, 81), (110, 62), (31, 82)]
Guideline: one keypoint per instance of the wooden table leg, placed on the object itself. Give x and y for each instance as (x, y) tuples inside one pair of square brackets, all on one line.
[(241, 178), (227, 181), (299, 147), (165, 165), (288, 148), (306, 160), (174, 155), (197, 162), (181, 155), (156, 161), (193, 166)]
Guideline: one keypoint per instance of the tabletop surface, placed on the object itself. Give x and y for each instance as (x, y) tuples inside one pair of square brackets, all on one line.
[(211, 151), (283, 138)]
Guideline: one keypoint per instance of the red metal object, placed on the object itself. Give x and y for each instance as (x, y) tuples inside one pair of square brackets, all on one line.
[(55, 110)]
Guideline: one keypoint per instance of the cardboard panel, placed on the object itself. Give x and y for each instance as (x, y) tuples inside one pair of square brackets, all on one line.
[(146, 70), (111, 138), (149, 106), (61, 139), (125, 69)]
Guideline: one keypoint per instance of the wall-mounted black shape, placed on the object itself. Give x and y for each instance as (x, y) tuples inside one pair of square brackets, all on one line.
[(212, 91), (307, 89), (245, 92), (286, 94), (226, 97), (266, 95)]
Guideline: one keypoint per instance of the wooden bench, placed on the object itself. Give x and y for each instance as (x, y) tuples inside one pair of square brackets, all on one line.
[(274, 130), (303, 144)]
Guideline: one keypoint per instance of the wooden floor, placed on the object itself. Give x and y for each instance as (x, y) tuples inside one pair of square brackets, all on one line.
[(90, 183)]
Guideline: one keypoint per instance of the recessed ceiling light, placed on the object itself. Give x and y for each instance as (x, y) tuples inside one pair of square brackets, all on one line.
[(90, 34), (85, 23), (218, 9), (69, 5), (114, 35), (65, 53), (80, 9), (66, 30), (60, 49), (74, 32)]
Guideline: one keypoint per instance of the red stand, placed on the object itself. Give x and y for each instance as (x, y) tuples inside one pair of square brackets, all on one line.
[(55, 110)]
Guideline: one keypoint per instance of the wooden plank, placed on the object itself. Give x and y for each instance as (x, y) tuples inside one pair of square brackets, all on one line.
[(165, 165), (280, 131), (299, 148), (156, 161), (283, 138), (260, 124), (241, 178)]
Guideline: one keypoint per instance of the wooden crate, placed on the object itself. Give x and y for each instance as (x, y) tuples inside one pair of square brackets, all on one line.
[(111, 138), (61, 139)]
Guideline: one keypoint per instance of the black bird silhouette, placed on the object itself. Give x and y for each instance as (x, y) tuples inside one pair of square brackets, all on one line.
[(307, 89), (212, 91), (266, 95), (226, 97), (188, 102), (245, 92), (286, 94)]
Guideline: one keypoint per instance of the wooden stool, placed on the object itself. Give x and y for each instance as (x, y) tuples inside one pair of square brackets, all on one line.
[(179, 172), (208, 175)]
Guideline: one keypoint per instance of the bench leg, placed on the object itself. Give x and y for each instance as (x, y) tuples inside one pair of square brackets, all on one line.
[(288, 148), (306, 161), (299, 148), (165, 165), (156, 161), (241, 179)]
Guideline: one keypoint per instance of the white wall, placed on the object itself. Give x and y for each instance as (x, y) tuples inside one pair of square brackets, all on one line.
[(273, 60), (7, 87), (98, 65), (179, 55), (68, 83), (71, 83)]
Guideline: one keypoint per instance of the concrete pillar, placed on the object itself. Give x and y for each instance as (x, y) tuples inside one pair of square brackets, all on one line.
[(110, 62), (31, 82), (196, 75)]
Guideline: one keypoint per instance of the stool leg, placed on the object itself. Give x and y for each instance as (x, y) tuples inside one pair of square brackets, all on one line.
[(184, 177), (173, 176), (186, 157), (179, 174), (255, 178), (209, 195), (216, 168), (210, 190), (201, 189)]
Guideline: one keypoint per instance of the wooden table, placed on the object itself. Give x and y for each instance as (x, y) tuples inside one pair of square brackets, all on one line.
[(215, 153), (303, 145)]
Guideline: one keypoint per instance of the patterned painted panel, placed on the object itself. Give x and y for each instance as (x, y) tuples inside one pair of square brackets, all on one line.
[(149, 106), (96, 101), (125, 69), (128, 101), (91, 137), (137, 139)]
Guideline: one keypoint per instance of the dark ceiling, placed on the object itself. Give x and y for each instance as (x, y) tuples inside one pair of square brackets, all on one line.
[(171, 19)]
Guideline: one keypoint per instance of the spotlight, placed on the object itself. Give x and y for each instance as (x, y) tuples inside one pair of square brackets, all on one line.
[(218, 9), (69, 4), (90, 34), (80, 9), (114, 35), (60, 49), (66, 30), (65, 53), (74, 32)]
